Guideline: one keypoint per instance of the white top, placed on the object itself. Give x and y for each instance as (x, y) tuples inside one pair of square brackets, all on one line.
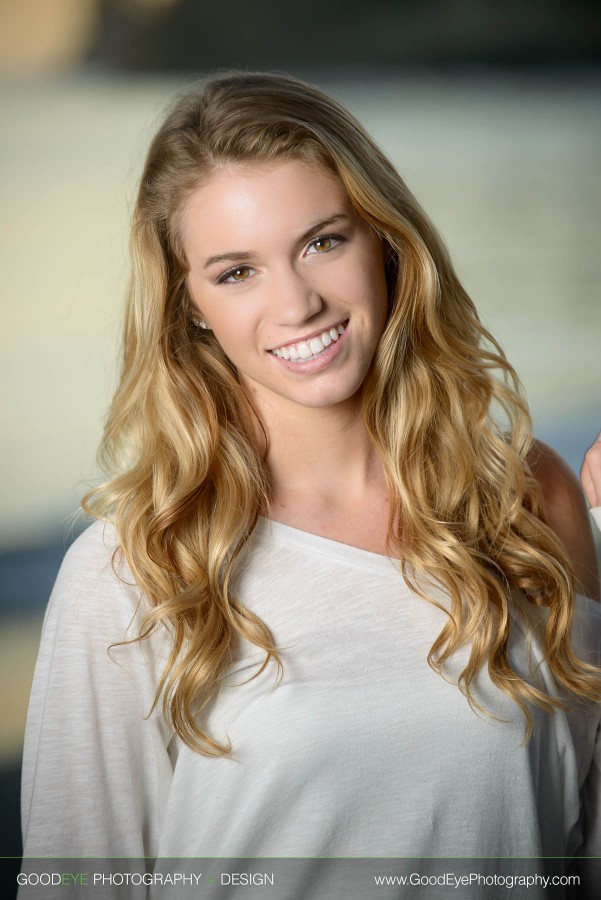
[(361, 750)]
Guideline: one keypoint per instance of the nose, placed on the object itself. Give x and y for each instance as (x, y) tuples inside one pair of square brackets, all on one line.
[(295, 299)]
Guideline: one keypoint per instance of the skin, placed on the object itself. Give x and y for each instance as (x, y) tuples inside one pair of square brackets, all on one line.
[(590, 476), (321, 460), (289, 286), (590, 473), (567, 514), (281, 276)]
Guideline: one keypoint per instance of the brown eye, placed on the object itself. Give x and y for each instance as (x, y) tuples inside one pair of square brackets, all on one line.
[(322, 244), (240, 273)]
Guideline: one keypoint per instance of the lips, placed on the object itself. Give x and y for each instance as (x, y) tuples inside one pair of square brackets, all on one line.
[(310, 347)]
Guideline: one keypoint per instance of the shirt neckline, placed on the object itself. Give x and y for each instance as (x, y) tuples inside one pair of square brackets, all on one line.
[(324, 546)]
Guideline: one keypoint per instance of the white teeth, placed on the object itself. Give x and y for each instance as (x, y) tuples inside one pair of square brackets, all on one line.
[(313, 347)]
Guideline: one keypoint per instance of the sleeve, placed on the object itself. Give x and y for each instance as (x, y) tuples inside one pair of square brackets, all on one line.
[(589, 861), (96, 765), (586, 638)]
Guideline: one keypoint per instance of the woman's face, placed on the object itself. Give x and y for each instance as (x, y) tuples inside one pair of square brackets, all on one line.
[(289, 278)]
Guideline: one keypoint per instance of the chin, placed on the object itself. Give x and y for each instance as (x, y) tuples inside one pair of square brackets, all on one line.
[(328, 396)]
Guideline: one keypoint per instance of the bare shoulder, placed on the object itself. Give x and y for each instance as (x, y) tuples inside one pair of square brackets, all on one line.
[(566, 513), (564, 498)]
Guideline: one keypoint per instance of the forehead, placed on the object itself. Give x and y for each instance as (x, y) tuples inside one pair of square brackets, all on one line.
[(242, 202)]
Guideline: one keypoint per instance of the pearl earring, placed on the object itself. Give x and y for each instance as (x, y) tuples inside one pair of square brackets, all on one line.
[(198, 323)]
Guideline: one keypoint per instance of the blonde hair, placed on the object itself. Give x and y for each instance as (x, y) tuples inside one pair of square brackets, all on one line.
[(187, 479)]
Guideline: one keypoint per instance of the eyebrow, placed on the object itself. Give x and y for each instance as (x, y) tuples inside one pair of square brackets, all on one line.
[(248, 254)]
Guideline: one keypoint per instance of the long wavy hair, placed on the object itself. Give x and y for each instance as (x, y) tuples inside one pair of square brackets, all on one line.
[(187, 477)]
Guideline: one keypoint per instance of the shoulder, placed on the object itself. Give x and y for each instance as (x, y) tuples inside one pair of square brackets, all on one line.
[(91, 550), (563, 496), (566, 513), (94, 585), (96, 605)]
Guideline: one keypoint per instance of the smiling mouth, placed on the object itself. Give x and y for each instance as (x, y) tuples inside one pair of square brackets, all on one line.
[(304, 350)]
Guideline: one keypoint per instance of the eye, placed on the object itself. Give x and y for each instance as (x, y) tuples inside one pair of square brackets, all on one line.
[(235, 275), (325, 243)]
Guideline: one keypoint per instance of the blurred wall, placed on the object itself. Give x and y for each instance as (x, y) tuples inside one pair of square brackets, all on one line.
[(505, 164)]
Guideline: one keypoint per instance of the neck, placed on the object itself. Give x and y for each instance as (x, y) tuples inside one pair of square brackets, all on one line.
[(323, 456)]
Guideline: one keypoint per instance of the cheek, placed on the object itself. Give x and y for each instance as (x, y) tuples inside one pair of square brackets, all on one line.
[(375, 291), (225, 318), (380, 286), (234, 328)]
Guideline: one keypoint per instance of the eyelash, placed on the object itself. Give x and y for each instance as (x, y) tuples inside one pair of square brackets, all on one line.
[(339, 238)]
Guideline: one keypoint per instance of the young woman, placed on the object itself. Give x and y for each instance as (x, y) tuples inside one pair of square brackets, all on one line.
[(328, 609)]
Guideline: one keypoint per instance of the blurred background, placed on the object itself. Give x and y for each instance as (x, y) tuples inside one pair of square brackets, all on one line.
[(491, 111)]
